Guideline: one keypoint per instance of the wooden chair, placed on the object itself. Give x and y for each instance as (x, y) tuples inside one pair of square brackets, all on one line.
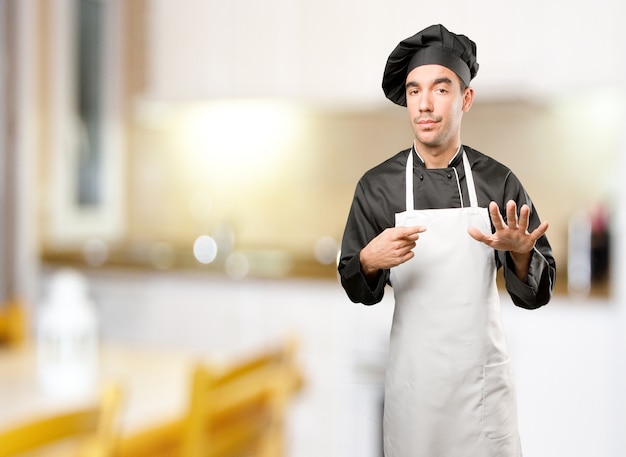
[(12, 323), (239, 411), (84, 432)]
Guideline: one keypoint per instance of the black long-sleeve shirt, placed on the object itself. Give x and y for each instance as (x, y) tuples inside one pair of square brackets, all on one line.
[(380, 194)]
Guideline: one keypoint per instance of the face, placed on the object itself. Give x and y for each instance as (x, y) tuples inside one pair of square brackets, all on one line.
[(436, 105)]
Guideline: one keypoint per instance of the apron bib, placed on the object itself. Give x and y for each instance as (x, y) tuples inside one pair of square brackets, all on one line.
[(449, 388)]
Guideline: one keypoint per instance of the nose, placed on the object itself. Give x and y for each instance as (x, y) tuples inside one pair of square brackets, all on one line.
[(425, 102)]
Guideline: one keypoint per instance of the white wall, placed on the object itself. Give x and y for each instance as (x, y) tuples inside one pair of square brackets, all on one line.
[(335, 51)]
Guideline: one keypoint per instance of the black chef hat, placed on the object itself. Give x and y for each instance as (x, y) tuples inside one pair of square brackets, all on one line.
[(433, 45)]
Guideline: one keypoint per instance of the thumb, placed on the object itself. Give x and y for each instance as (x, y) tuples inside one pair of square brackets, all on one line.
[(475, 233)]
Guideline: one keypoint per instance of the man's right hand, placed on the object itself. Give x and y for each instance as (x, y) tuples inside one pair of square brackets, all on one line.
[(389, 249)]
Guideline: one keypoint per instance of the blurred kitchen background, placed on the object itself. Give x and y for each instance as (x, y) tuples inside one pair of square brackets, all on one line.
[(194, 162)]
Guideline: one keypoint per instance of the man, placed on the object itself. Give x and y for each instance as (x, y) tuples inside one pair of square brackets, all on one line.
[(436, 221)]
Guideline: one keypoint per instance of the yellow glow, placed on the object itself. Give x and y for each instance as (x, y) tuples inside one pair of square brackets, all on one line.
[(237, 135), (601, 111)]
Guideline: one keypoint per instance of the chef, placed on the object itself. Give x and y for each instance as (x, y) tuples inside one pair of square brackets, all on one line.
[(436, 221)]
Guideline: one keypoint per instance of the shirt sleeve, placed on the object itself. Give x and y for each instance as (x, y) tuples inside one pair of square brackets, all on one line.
[(362, 226), (356, 285)]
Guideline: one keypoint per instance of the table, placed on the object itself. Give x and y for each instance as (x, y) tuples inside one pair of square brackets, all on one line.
[(155, 385)]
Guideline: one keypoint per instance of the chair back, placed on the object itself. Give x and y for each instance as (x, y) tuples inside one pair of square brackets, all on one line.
[(241, 410), (90, 430), (12, 323)]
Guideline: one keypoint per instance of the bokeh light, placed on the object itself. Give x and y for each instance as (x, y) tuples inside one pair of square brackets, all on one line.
[(325, 250), (237, 265), (205, 249), (95, 252)]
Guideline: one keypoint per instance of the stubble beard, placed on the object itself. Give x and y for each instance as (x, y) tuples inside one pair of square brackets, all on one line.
[(431, 138)]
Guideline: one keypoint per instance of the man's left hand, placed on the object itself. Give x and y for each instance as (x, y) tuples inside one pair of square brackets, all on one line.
[(511, 235)]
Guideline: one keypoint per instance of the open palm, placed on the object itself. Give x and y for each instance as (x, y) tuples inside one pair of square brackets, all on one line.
[(511, 235)]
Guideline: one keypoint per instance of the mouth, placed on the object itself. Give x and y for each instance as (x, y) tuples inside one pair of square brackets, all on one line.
[(426, 123)]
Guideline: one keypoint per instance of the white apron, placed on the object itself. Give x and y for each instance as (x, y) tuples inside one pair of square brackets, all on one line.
[(449, 388)]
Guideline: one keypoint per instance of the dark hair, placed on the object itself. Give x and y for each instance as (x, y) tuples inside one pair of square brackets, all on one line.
[(463, 85)]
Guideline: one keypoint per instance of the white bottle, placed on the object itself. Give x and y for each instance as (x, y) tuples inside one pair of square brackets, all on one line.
[(67, 337)]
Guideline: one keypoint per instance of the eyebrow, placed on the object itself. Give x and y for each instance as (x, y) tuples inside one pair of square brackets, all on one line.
[(442, 80)]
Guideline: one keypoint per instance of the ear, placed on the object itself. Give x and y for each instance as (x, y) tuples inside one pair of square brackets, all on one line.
[(468, 99)]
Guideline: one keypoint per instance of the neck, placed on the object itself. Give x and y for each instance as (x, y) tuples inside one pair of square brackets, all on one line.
[(436, 158)]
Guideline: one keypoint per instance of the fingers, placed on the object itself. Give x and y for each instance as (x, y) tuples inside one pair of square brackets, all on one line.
[(406, 239), (475, 233), (496, 217), (511, 235), (511, 214), (524, 216), (540, 231), (389, 248), (410, 233), (512, 220)]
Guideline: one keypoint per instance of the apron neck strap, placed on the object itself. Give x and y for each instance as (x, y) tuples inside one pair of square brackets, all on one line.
[(410, 201), (469, 177)]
